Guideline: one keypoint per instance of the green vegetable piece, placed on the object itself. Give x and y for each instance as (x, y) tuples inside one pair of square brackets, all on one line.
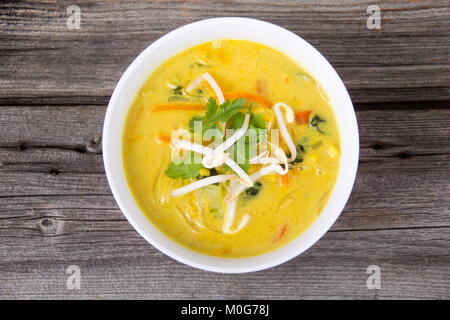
[(178, 90), (300, 153), (253, 191), (180, 98), (315, 121), (183, 170), (213, 199)]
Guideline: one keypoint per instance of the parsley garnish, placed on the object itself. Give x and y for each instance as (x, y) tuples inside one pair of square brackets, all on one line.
[(184, 170), (229, 111), (256, 123), (215, 113)]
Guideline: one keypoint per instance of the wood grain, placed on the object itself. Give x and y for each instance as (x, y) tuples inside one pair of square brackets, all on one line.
[(120, 264), (51, 220), (407, 60), (56, 208), (56, 150)]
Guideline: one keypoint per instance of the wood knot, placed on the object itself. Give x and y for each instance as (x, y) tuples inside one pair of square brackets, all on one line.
[(46, 222), (94, 145), (21, 146), (53, 171), (48, 226), (404, 155), (378, 145), (81, 149)]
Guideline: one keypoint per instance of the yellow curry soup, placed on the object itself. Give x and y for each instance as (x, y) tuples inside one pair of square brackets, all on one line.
[(230, 218)]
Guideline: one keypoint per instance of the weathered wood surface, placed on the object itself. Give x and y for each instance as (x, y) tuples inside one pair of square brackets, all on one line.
[(41, 57), (56, 208)]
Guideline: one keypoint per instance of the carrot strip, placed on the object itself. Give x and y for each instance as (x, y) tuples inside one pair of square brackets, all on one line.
[(210, 89), (163, 138), (171, 107), (302, 117), (284, 179), (281, 234), (249, 96)]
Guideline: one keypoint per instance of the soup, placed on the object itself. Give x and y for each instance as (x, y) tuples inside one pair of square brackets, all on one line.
[(231, 148)]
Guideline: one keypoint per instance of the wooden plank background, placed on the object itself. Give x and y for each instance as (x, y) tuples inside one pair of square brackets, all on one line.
[(56, 208)]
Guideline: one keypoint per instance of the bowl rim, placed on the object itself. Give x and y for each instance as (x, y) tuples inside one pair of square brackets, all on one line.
[(170, 247)]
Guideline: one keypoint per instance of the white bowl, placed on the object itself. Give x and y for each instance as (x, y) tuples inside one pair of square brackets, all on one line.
[(232, 28)]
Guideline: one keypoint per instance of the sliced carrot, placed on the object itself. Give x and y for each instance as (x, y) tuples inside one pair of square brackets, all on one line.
[(163, 138), (281, 234), (284, 179), (302, 117), (171, 107), (249, 96), (210, 89)]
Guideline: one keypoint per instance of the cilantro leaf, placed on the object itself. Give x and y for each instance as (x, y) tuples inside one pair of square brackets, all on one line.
[(237, 121), (211, 114), (183, 170), (229, 109), (192, 121), (211, 108), (215, 113), (257, 121)]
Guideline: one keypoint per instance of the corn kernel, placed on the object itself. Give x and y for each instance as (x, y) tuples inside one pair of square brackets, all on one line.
[(313, 157), (271, 178), (333, 152), (204, 172), (220, 170)]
